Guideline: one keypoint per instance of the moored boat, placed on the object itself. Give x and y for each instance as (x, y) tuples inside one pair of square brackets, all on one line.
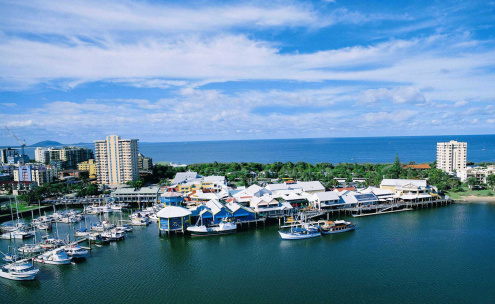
[(299, 233), (224, 227), (55, 257), (331, 227), (18, 271), (75, 251)]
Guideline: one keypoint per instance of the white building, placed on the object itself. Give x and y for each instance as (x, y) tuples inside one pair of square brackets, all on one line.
[(39, 174), (116, 160), (451, 156), (480, 173), (325, 200)]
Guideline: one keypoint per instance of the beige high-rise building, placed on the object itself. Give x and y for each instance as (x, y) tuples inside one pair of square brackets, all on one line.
[(90, 166), (116, 160), (451, 156)]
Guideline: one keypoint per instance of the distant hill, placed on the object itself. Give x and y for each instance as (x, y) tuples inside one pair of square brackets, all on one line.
[(46, 143)]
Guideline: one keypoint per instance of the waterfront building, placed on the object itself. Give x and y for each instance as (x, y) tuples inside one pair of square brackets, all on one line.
[(240, 212), (325, 200), (268, 205), (116, 160), (63, 158), (407, 186), (185, 177), (308, 187), (451, 156), (245, 195), (480, 173), (89, 165), (200, 196), (144, 163), (171, 198), (173, 218), (132, 195), (219, 210), (353, 199)]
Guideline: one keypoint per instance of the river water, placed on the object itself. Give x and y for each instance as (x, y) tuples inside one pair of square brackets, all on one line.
[(437, 255)]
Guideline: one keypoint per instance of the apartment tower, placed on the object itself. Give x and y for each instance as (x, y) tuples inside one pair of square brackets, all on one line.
[(116, 160), (451, 156)]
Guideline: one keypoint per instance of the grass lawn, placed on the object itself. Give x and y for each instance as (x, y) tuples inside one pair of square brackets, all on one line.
[(467, 192)]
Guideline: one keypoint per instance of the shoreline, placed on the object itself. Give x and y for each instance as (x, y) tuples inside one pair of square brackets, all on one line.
[(472, 199)]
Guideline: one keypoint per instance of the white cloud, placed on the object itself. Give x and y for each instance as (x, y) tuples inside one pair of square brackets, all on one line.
[(398, 95), (8, 104)]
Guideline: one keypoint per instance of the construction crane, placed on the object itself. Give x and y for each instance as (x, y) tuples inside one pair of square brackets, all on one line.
[(21, 142)]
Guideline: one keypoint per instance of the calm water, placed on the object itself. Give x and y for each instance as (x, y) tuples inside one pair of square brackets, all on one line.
[(439, 255), (333, 150)]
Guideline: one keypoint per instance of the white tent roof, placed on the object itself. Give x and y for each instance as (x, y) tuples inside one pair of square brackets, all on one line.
[(173, 211)]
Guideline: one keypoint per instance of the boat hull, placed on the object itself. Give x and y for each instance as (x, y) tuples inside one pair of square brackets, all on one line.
[(60, 262), (352, 227), (18, 277), (290, 236), (206, 231)]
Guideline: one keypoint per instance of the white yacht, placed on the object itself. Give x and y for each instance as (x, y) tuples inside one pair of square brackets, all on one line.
[(224, 227), (55, 257), (75, 251), (298, 233), (31, 248), (19, 271)]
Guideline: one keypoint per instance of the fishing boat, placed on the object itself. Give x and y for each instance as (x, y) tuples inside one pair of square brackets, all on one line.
[(300, 232), (75, 251), (224, 227), (18, 271), (96, 238), (331, 227), (55, 257)]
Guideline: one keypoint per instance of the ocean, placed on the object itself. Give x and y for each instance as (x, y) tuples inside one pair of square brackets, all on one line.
[(419, 149)]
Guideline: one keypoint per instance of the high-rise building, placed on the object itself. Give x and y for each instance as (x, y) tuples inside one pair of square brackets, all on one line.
[(116, 160), (451, 156), (145, 163), (63, 158), (34, 173), (90, 166)]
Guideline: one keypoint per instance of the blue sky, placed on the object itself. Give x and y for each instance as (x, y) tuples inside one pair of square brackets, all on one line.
[(76, 71)]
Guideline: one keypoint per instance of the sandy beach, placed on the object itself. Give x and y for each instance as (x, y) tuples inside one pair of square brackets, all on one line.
[(477, 199)]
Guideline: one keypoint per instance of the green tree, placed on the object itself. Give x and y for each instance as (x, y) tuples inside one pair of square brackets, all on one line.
[(490, 180), (471, 182)]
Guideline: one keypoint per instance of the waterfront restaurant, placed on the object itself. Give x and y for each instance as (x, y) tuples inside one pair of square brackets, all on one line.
[(172, 199), (326, 201), (133, 195), (219, 210), (241, 213), (173, 219)]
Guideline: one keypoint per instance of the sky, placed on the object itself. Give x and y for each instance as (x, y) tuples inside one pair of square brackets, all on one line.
[(77, 71)]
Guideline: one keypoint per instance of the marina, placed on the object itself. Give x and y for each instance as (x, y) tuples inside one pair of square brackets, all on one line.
[(393, 250)]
